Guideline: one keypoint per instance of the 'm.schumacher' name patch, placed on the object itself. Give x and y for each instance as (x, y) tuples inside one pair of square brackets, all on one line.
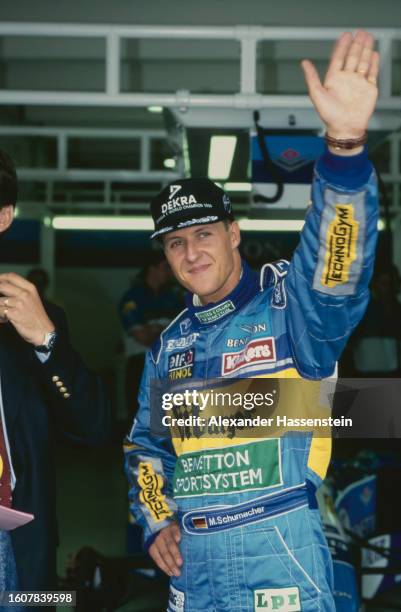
[(150, 494)]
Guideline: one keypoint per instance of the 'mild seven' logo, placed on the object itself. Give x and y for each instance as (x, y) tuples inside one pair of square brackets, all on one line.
[(284, 600)]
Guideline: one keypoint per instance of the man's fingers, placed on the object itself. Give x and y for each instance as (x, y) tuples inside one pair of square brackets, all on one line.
[(170, 553), (5, 304), (17, 280), (355, 52), (311, 77), (366, 55), (173, 550), (10, 290), (339, 53), (176, 533), (175, 553), (165, 552), (374, 68), (158, 559)]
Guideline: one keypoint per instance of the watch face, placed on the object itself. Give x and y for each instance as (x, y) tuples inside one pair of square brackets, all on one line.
[(50, 340)]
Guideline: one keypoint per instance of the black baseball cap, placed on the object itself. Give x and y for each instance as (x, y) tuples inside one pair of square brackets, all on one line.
[(187, 202)]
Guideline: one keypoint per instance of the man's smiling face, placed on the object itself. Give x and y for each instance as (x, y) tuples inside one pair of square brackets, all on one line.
[(205, 259)]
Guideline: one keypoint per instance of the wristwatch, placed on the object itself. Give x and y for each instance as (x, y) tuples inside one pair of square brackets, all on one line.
[(48, 343)]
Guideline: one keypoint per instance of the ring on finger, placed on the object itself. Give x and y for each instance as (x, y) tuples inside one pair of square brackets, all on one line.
[(362, 71), (371, 79)]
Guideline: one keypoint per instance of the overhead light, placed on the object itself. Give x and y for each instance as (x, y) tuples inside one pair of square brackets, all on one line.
[(103, 223), (169, 163), (271, 225), (221, 156), (155, 109), (114, 223), (238, 187)]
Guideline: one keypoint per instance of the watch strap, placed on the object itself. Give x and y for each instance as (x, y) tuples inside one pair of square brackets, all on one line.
[(48, 343)]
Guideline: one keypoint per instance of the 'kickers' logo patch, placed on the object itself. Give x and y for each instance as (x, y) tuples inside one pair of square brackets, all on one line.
[(282, 600), (180, 365), (259, 351), (341, 243)]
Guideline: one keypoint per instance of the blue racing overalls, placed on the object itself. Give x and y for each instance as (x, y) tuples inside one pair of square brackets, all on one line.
[(251, 533)]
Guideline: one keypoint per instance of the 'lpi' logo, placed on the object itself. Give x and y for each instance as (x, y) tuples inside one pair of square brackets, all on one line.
[(341, 244), (284, 600)]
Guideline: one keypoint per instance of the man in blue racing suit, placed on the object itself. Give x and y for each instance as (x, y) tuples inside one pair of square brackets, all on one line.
[(234, 521)]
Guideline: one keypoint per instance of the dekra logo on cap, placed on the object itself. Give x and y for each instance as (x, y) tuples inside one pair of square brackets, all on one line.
[(177, 204), (173, 190)]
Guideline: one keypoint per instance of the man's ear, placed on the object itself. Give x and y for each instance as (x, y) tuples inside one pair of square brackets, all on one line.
[(235, 234), (6, 217)]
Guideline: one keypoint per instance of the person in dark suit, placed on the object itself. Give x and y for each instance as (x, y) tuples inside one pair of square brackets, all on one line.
[(44, 387)]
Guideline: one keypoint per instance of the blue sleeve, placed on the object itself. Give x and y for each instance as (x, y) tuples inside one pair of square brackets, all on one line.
[(327, 281), (149, 465)]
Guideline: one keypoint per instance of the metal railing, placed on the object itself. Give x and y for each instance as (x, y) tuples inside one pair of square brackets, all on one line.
[(105, 195), (62, 172), (248, 38)]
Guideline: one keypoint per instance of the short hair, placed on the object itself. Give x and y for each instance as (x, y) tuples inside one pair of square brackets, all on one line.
[(8, 181)]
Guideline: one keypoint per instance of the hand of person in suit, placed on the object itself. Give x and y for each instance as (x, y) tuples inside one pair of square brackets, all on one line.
[(21, 305)]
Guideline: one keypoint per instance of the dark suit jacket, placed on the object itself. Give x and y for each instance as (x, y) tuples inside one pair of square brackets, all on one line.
[(34, 408)]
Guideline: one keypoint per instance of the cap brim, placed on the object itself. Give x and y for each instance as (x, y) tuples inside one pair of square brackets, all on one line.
[(184, 223)]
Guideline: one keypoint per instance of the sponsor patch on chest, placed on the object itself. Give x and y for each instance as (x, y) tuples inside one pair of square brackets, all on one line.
[(182, 342), (216, 312), (180, 365), (256, 352)]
